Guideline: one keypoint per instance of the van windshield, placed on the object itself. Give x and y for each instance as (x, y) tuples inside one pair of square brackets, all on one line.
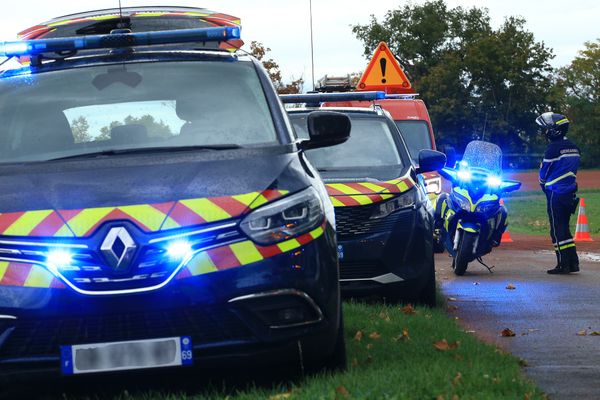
[(138, 106), (371, 144), (416, 135)]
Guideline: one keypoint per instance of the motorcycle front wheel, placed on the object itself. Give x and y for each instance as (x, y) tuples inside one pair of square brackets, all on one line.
[(464, 253)]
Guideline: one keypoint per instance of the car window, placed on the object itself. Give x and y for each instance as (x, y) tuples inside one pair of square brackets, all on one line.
[(416, 136), (371, 144), (133, 106)]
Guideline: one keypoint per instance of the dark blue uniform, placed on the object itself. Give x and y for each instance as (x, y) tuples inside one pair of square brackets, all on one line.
[(558, 178)]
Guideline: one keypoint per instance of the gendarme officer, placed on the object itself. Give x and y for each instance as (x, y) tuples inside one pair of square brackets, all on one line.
[(558, 178)]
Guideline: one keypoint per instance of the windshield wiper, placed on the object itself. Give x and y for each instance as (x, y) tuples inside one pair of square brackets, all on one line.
[(115, 152)]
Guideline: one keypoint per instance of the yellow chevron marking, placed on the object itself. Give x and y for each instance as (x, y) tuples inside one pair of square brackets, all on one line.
[(259, 201), (247, 198), (64, 232), (86, 219), (343, 188), (201, 264), (373, 187), (38, 277), (206, 209), (363, 199), (170, 224), (336, 202), (27, 222), (3, 268), (246, 252), (104, 17), (317, 232), (288, 245), (146, 214)]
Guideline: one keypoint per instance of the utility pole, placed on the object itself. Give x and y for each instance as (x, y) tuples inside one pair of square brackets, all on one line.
[(312, 51)]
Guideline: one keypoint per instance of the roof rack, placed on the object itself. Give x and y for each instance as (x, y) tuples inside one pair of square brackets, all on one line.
[(316, 98), (117, 39)]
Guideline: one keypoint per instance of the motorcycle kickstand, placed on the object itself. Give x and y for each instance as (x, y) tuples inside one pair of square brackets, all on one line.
[(480, 261)]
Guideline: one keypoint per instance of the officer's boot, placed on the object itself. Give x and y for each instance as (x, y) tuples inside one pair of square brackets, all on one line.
[(561, 267), (573, 259)]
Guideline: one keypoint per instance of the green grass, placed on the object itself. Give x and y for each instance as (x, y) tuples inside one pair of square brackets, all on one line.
[(384, 365), (527, 212)]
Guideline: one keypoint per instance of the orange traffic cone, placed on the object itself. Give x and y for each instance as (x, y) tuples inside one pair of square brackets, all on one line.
[(582, 230), (506, 235)]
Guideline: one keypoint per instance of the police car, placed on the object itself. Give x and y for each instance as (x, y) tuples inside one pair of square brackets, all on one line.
[(383, 215), (156, 210)]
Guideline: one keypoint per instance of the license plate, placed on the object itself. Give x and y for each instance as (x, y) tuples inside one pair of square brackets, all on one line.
[(340, 251), (119, 356)]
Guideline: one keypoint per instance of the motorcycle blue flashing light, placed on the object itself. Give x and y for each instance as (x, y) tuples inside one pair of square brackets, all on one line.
[(493, 181), (464, 175), (179, 250), (116, 40), (59, 258), (315, 98)]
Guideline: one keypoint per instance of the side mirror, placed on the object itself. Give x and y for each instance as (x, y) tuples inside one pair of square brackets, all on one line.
[(326, 128), (430, 160), (450, 153)]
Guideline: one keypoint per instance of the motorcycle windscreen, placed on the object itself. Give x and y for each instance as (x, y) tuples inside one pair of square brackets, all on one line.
[(484, 155)]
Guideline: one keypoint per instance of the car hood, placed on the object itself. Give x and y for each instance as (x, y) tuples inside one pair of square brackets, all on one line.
[(354, 187), (155, 192)]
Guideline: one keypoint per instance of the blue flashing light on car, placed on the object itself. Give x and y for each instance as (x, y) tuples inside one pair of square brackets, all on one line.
[(59, 258), (179, 250), (316, 98), (118, 39)]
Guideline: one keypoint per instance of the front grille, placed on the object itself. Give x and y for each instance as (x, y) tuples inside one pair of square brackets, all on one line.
[(355, 221), (42, 337), (361, 269)]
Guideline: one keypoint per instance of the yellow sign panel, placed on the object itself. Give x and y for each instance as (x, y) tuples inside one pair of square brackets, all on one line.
[(384, 73)]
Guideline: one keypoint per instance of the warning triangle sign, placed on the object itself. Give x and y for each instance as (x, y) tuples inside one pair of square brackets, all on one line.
[(384, 73)]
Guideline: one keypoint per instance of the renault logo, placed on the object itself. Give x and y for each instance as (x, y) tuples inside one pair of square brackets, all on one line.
[(118, 248)]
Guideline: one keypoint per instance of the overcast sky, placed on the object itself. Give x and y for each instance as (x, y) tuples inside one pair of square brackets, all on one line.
[(283, 25)]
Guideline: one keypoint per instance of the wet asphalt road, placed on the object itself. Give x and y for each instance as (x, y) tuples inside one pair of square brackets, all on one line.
[(546, 312)]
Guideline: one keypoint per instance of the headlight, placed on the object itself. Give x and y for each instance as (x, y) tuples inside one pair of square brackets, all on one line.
[(488, 207), (461, 202), (433, 185), (403, 201), (493, 182), (464, 175), (284, 219)]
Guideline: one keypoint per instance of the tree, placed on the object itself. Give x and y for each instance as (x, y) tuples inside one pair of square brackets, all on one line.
[(476, 81), (80, 129), (259, 51), (153, 127), (580, 85)]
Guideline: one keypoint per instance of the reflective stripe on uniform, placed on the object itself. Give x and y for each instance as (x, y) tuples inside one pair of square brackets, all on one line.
[(553, 181)]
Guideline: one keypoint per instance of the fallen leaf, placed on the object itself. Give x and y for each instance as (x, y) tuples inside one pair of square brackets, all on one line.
[(511, 286), (369, 346), (342, 391), (408, 309), (506, 332), (443, 345), (452, 308), (403, 336), (582, 333), (440, 397), (456, 379), (281, 396), (595, 333), (384, 316), (354, 362), (455, 397), (358, 336), (375, 336)]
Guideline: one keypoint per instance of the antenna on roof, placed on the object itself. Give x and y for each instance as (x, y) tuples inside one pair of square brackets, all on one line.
[(121, 15)]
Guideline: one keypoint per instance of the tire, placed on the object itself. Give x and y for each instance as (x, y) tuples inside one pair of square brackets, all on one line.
[(428, 295), (464, 253)]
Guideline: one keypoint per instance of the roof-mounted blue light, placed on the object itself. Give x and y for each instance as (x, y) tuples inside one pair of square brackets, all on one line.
[(116, 40), (408, 96), (315, 98)]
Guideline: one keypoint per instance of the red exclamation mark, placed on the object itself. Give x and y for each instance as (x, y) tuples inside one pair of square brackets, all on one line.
[(383, 64)]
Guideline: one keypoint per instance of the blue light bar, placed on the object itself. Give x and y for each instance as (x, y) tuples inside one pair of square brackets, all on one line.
[(116, 40), (410, 96), (315, 98)]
